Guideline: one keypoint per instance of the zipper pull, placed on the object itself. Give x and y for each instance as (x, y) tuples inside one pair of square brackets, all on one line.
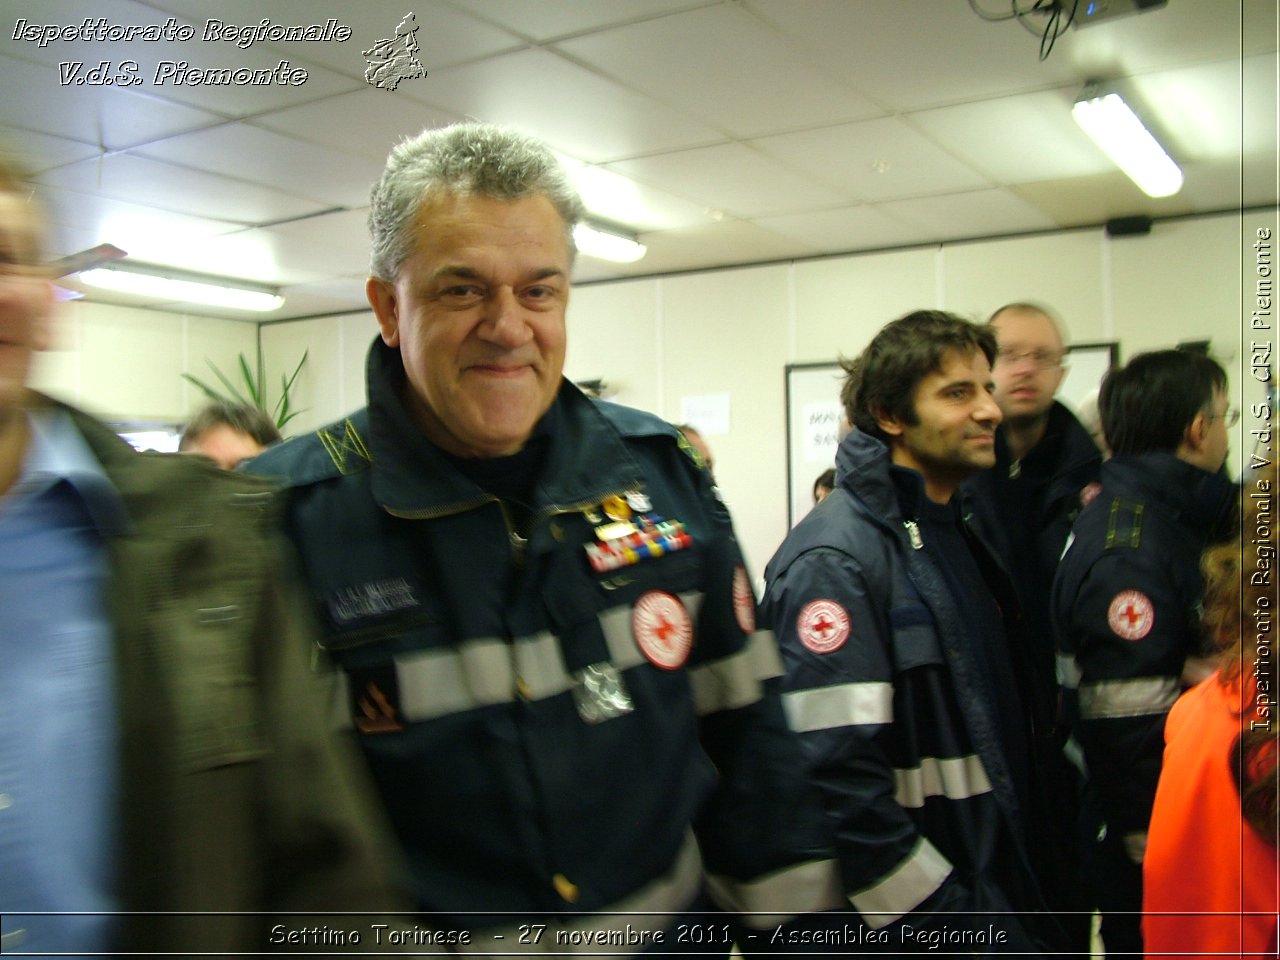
[(913, 531)]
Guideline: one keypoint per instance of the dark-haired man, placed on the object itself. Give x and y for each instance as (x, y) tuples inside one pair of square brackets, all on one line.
[(1126, 595), (902, 677)]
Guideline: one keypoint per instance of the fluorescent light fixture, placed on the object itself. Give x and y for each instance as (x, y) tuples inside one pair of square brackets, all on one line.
[(178, 287), (1116, 129), (607, 243)]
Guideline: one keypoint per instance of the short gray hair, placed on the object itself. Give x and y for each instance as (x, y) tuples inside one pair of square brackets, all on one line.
[(463, 159)]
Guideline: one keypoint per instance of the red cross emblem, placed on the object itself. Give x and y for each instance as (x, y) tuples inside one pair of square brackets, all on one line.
[(663, 629), (1131, 615), (744, 601), (823, 626)]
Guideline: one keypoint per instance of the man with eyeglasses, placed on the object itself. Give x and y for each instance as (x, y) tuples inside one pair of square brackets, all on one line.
[(1046, 467), (1126, 597)]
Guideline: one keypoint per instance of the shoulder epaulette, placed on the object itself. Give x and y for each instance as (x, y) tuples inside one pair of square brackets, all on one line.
[(1124, 525), (336, 449)]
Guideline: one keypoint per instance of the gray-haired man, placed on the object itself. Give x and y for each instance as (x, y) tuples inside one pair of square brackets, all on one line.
[(546, 630)]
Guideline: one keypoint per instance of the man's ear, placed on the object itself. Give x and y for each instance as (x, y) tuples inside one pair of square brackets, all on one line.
[(888, 423), (1193, 438), (382, 297)]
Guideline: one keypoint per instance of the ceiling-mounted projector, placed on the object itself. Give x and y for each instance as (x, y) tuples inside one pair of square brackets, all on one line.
[(1095, 11)]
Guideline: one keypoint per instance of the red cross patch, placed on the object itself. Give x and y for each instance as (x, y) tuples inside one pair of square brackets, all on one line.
[(744, 601), (1088, 492), (823, 626), (1131, 615), (663, 629)]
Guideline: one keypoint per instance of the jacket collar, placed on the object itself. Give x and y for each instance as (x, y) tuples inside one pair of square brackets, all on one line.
[(1207, 502), (862, 468), (585, 459)]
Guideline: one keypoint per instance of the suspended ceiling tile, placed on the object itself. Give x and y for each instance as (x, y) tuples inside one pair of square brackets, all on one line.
[(182, 190), (1084, 201), (532, 89), (872, 160), (107, 116), (860, 227), (750, 79), (910, 56), (548, 19), (37, 152), (272, 159), (980, 213), (732, 179), (368, 122), (1030, 136)]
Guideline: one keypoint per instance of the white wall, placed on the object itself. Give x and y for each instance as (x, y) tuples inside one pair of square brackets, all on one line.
[(126, 364), (658, 341)]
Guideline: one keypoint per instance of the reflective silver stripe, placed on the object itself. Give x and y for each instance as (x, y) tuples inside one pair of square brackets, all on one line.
[(650, 909), (1068, 670), (1139, 697), (735, 681), (724, 684), (485, 671), (904, 888), (805, 887), (842, 705), (765, 655), (956, 778)]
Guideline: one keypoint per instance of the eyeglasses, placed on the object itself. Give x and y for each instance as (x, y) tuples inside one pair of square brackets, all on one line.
[(1042, 359), (1230, 416)]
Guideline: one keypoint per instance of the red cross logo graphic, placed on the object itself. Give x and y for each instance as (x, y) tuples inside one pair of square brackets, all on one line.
[(663, 629), (823, 626), (1131, 615)]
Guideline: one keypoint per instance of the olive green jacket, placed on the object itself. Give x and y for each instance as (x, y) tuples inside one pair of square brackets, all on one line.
[(235, 795)]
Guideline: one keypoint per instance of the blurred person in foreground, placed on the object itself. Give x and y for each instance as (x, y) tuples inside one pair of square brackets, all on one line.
[(906, 670), (1126, 597), (1210, 876), (229, 433), (541, 613), (163, 742)]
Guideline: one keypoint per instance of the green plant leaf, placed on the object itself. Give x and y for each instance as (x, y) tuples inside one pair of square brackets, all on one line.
[(254, 393), (282, 413), (204, 388), (232, 392)]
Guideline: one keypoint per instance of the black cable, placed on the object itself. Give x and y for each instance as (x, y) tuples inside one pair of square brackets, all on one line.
[(995, 18), (1051, 34)]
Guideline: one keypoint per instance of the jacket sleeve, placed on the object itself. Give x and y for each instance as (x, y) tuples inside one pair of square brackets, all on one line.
[(836, 645), (766, 851), (326, 846), (1130, 629)]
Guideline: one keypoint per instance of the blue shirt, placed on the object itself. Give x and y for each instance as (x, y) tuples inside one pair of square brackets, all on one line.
[(58, 748)]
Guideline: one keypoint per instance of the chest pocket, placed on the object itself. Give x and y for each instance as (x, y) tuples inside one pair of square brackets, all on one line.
[(915, 637), (217, 718)]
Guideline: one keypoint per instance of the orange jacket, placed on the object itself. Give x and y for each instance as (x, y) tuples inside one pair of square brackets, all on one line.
[(1201, 857)]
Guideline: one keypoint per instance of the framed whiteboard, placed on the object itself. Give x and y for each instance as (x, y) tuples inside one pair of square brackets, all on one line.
[(1087, 364), (814, 416)]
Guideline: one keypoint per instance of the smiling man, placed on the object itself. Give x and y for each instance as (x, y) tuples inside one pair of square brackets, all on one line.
[(545, 627), (903, 669)]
